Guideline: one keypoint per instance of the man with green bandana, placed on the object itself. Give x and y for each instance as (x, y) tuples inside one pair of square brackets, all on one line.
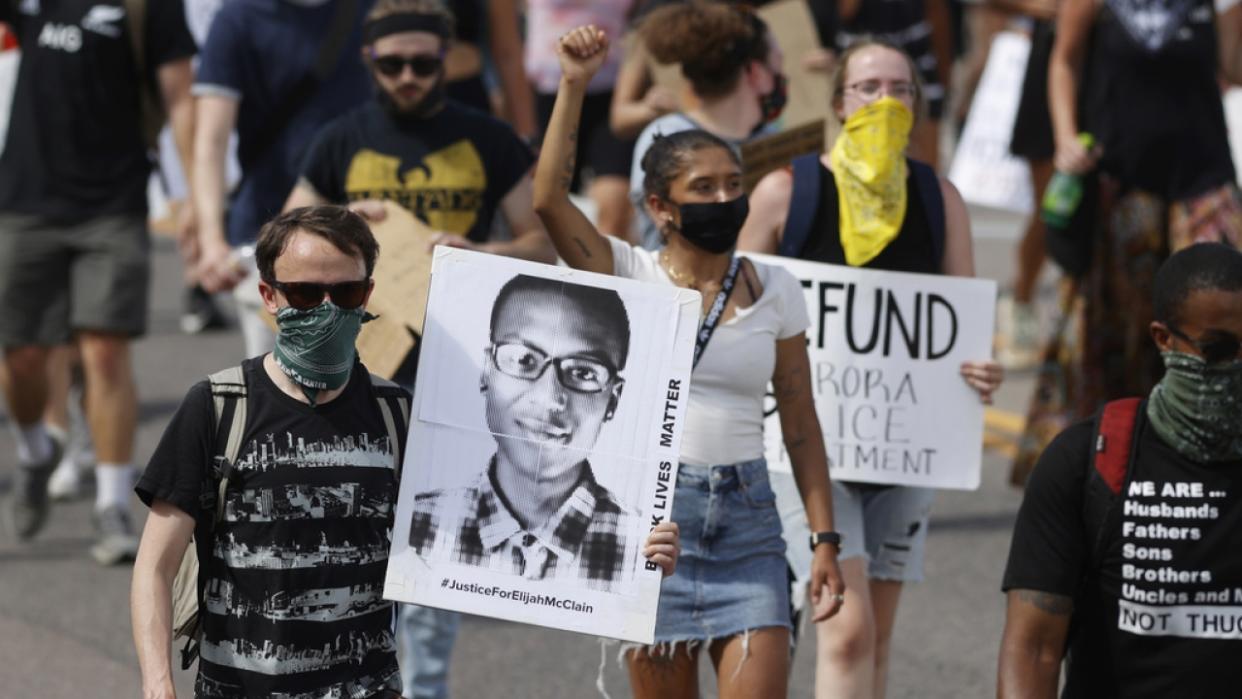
[(1141, 592), (292, 574)]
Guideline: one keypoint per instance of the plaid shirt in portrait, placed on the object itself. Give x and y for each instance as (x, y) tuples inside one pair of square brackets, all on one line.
[(586, 541)]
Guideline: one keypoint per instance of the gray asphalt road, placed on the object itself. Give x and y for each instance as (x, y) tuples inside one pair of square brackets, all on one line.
[(64, 622)]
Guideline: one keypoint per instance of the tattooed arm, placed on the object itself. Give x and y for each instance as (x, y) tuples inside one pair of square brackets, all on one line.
[(791, 382), (581, 51), (1036, 624)]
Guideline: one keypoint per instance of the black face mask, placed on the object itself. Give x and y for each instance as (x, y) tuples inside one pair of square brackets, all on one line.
[(773, 103), (714, 226), (426, 107)]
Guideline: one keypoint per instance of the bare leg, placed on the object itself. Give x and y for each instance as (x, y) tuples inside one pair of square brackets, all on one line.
[(25, 382), (984, 23), (671, 675), (752, 665), (885, 595), (111, 398), (845, 644), (59, 373), (1031, 251), (611, 195)]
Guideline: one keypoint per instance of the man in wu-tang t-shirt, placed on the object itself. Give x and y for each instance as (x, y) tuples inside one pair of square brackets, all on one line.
[(1146, 599), (451, 165)]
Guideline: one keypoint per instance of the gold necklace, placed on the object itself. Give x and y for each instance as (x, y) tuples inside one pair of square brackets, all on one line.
[(679, 278)]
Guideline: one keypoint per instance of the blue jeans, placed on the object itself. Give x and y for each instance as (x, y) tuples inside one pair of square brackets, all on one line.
[(426, 636)]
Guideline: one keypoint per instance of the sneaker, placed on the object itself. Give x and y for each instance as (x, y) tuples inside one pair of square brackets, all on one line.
[(1018, 328), (29, 505), (117, 542), (66, 481), (200, 312)]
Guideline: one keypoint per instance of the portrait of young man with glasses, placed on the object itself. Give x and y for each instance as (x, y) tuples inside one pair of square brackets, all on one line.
[(452, 166), (553, 376)]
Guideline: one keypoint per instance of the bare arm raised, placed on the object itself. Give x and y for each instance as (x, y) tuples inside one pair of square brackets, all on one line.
[(582, 52)]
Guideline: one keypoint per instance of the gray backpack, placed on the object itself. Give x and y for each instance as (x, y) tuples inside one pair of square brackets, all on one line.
[(228, 393)]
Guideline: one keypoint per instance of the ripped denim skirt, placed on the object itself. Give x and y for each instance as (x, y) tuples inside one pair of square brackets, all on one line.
[(731, 575)]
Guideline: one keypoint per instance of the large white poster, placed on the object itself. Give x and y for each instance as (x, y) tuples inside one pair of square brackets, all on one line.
[(885, 348), (983, 169), (543, 444)]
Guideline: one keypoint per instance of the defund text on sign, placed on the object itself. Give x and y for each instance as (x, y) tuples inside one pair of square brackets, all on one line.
[(925, 325)]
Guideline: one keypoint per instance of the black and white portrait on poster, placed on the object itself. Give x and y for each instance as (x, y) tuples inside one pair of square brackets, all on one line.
[(543, 445)]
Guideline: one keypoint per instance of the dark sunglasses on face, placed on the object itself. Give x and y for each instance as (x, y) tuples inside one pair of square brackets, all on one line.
[(424, 66), (306, 295), (1216, 346)]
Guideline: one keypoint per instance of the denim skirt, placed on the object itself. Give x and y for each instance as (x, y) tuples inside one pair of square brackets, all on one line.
[(731, 575)]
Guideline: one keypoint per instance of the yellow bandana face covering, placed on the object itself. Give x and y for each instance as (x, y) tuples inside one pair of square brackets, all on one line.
[(869, 165)]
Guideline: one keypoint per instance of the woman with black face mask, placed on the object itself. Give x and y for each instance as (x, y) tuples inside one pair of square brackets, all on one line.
[(730, 593)]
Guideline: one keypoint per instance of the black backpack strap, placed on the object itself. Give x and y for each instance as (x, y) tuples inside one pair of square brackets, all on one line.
[(803, 205), (928, 183)]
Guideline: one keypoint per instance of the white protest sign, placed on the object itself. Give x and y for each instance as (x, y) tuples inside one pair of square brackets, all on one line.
[(543, 444), (885, 351), (983, 169)]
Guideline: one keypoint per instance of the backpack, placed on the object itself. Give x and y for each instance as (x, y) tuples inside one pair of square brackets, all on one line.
[(1113, 451), (804, 204), (228, 393)]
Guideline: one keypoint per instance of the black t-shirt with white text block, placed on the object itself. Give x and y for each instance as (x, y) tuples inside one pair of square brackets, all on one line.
[(293, 574), (451, 170), (1161, 615), (75, 145)]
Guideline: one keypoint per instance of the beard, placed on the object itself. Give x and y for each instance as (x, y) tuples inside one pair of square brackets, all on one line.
[(427, 106)]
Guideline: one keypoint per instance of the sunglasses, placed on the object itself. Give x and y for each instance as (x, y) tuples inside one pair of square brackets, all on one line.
[(306, 295), (424, 66), (1216, 346)]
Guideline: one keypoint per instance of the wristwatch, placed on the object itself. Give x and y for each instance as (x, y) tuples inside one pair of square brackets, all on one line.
[(833, 538)]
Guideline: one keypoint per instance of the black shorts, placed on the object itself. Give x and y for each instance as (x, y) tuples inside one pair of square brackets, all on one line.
[(600, 152), (1032, 128)]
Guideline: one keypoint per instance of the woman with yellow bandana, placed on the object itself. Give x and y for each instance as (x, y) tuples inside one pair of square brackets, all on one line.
[(873, 211)]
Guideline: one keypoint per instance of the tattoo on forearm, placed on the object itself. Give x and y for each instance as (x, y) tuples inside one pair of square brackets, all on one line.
[(582, 247), (1047, 602), (788, 384)]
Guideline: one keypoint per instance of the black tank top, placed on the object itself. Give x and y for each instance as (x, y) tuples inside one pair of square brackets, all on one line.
[(910, 251)]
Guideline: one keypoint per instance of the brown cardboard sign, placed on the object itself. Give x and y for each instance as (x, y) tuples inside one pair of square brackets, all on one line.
[(763, 155)]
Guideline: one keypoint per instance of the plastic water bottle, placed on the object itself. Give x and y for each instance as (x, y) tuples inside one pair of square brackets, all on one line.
[(1064, 193)]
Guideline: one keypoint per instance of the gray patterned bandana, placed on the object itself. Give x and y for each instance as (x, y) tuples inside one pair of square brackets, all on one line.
[(315, 347), (1197, 407)]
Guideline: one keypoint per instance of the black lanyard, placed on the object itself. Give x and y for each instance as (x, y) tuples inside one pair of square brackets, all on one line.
[(713, 316)]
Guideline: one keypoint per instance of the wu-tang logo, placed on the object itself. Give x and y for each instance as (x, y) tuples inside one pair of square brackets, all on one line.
[(445, 190)]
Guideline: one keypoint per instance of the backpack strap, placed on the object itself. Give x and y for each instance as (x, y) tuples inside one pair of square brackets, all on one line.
[(803, 205), (394, 407), (928, 183), (1114, 441), (228, 392)]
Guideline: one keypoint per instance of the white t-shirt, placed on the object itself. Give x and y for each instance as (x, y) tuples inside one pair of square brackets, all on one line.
[(724, 418)]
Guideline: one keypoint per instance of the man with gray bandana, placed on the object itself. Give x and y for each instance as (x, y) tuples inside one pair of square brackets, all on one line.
[(1125, 554)]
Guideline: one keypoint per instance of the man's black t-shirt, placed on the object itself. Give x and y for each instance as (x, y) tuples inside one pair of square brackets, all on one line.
[(294, 573), (75, 146), (1161, 616), (451, 169)]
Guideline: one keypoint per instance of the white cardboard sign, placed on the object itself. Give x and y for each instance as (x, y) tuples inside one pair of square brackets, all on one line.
[(543, 444), (885, 351)]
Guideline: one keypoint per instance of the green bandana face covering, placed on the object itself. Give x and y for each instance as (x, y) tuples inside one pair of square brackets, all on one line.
[(1197, 407), (315, 347)]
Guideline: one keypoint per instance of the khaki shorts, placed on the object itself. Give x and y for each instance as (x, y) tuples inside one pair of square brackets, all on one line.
[(57, 279)]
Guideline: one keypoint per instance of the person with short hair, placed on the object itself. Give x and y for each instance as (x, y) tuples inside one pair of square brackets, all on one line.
[(1140, 599), (451, 165), (538, 510), (730, 594), (75, 260)]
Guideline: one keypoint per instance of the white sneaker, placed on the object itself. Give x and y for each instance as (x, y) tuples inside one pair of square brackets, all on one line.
[(66, 480), (1017, 328)]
